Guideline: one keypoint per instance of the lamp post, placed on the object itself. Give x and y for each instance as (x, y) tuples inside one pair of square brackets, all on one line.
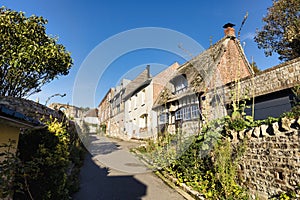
[(61, 95)]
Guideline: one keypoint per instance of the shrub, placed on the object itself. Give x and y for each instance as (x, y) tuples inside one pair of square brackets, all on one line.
[(48, 163)]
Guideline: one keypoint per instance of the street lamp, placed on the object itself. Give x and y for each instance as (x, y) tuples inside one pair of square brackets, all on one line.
[(61, 95)]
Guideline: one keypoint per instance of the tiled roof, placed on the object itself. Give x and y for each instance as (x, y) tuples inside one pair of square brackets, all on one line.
[(92, 113), (141, 80), (17, 117), (204, 66)]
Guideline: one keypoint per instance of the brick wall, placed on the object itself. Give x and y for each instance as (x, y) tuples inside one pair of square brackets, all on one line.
[(233, 64)]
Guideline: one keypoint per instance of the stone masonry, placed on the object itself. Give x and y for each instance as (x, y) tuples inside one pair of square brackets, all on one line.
[(271, 163), (280, 77)]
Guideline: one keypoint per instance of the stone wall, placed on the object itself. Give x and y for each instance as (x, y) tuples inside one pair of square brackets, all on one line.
[(271, 163), (69, 110), (280, 77)]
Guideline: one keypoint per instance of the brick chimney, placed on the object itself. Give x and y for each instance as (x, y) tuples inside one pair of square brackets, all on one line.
[(229, 30), (148, 71)]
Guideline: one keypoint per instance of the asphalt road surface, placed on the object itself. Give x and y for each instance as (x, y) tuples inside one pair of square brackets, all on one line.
[(111, 172)]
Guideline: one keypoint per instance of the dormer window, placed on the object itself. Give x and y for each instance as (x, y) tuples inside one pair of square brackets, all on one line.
[(180, 84)]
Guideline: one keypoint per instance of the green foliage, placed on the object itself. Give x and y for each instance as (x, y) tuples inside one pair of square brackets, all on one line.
[(9, 162), (103, 128), (289, 195), (281, 32), (270, 120), (29, 57), (212, 174), (295, 110), (48, 163), (238, 120), (208, 163)]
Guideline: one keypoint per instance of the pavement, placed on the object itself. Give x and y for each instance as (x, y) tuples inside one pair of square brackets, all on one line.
[(111, 172)]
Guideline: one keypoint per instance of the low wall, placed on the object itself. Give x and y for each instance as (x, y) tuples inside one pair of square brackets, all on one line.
[(271, 163)]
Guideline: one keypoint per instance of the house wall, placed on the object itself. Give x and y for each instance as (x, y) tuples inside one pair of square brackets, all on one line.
[(139, 120), (161, 79), (116, 123), (8, 133), (104, 110), (116, 126)]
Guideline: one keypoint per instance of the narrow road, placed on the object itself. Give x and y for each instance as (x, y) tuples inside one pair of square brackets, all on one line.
[(111, 172)]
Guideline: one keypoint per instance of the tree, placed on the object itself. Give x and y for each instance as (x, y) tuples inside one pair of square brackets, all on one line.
[(29, 58), (281, 33)]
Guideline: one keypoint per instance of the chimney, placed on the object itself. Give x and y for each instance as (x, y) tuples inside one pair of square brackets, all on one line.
[(229, 30), (148, 71)]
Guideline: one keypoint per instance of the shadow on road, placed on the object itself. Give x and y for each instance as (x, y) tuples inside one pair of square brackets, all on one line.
[(98, 147), (95, 184)]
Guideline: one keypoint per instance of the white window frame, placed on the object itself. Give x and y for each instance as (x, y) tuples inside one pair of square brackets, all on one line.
[(143, 96), (195, 112), (164, 118), (178, 114), (186, 113)]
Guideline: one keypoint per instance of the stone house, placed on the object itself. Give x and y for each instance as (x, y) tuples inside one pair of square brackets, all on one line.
[(138, 101), (104, 111), (183, 104), (116, 125), (182, 97), (92, 120), (72, 112), (141, 93)]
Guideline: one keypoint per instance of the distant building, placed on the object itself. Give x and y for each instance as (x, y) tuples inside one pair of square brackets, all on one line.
[(104, 111), (91, 119)]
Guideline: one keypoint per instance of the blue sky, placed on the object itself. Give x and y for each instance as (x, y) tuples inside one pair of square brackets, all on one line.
[(82, 25)]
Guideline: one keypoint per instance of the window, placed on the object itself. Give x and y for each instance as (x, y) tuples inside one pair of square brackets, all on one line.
[(163, 118), (195, 112), (134, 101), (178, 114), (186, 113), (143, 97), (180, 84), (129, 105), (143, 121), (118, 108)]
